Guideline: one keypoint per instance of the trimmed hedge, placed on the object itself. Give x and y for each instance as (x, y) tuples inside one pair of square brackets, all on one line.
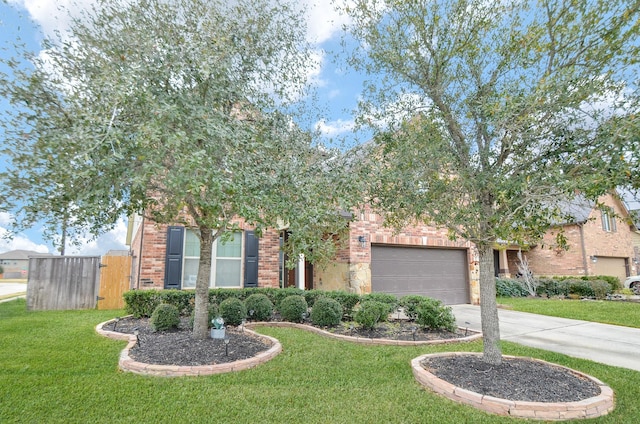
[(164, 317), (370, 313), (326, 312), (508, 287), (293, 308), (434, 315), (233, 311), (259, 307)]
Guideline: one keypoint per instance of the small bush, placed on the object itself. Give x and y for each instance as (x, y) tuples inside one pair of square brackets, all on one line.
[(410, 304), (370, 313), (233, 311), (278, 295), (600, 288), (141, 303), (293, 308), (348, 301), (553, 288), (507, 287), (326, 312), (164, 317), (260, 305), (434, 315), (614, 282), (386, 298)]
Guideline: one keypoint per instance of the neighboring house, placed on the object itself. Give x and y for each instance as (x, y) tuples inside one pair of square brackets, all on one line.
[(418, 260), (600, 241), (635, 238), (16, 263)]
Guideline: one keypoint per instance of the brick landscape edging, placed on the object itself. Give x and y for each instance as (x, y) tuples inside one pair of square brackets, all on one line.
[(127, 364), (477, 335), (555, 411)]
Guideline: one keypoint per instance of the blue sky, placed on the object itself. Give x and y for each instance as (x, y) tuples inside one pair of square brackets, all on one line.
[(338, 89)]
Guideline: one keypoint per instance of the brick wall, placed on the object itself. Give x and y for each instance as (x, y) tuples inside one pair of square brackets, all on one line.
[(584, 240), (148, 270)]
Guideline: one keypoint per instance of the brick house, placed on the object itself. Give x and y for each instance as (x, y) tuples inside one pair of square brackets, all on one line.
[(418, 260), (601, 242)]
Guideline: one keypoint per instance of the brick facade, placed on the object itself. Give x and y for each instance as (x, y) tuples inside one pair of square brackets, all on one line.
[(585, 241)]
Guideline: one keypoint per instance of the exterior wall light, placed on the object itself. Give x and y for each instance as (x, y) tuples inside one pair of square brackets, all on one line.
[(363, 241), (594, 259)]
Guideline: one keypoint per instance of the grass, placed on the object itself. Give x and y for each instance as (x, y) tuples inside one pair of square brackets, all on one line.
[(54, 368), (606, 312)]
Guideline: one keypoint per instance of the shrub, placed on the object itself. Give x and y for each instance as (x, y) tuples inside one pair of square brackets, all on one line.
[(434, 315), (580, 288), (278, 295), (259, 307), (233, 311), (164, 317), (293, 308), (326, 312), (386, 298), (614, 282), (553, 288), (507, 287), (600, 288), (370, 313), (410, 305), (348, 301)]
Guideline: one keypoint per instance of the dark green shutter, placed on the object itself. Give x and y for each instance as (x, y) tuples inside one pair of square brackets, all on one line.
[(173, 262), (250, 259)]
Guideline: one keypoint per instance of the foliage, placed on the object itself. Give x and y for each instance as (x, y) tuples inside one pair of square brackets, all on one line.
[(409, 304), (164, 317), (233, 311), (553, 288), (489, 115), (259, 307), (142, 303), (326, 312), (507, 287), (346, 299), (614, 282), (434, 315), (370, 313), (185, 111), (293, 308), (389, 299)]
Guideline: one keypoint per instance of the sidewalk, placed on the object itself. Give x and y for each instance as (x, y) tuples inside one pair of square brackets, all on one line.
[(604, 343), (10, 290)]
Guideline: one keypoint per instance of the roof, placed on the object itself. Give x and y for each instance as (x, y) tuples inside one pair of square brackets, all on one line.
[(576, 210), (21, 254)]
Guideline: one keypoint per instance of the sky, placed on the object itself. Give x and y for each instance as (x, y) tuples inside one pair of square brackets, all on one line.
[(337, 86)]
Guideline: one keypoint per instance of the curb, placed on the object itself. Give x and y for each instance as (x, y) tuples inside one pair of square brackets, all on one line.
[(363, 340), (126, 363), (553, 411)]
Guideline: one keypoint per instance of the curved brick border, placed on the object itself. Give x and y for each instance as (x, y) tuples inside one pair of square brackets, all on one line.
[(127, 364), (555, 411), (364, 340)]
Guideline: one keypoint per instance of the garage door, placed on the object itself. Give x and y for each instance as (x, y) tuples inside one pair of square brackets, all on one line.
[(611, 266), (438, 273)]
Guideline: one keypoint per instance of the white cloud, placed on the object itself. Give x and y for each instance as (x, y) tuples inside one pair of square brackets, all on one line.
[(18, 241), (323, 21), (52, 15), (333, 128), (89, 246)]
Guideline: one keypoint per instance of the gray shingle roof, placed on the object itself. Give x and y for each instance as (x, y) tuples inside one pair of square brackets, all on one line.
[(21, 254)]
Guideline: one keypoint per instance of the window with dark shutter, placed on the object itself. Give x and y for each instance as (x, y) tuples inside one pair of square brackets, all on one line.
[(250, 259), (173, 261)]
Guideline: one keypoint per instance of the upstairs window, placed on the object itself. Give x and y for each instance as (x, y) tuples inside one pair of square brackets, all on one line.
[(608, 221)]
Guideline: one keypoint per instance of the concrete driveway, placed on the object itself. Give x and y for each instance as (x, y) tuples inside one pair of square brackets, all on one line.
[(607, 344), (10, 289)]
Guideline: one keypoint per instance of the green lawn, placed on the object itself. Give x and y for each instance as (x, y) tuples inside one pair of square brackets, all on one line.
[(607, 312), (54, 368)]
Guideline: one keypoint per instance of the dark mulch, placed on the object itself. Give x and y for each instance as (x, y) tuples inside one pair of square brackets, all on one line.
[(517, 379), (179, 347)]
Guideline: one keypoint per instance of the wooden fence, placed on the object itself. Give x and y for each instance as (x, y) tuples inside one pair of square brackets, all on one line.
[(77, 282), (63, 282)]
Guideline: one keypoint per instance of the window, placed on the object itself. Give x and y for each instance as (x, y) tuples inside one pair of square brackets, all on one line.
[(226, 261), (608, 221)]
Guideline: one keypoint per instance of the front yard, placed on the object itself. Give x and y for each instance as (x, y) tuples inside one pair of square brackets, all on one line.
[(55, 368), (603, 311)]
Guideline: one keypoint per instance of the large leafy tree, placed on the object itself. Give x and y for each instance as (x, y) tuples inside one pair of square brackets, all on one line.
[(181, 110), (490, 112)]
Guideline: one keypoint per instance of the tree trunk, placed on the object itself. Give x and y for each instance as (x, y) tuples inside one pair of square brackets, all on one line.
[(489, 307), (201, 311)]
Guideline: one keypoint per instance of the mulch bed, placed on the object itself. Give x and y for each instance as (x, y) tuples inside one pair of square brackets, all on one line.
[(514, 379), (518, 379)]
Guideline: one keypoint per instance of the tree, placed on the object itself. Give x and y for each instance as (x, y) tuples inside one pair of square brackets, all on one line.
[(181, 110), (487, 113)]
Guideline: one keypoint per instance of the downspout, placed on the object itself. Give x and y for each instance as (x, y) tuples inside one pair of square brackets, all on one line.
[(584, 249), (140, 253)]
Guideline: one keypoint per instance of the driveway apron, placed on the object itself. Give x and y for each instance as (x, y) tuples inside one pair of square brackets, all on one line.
[(604, 343)]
